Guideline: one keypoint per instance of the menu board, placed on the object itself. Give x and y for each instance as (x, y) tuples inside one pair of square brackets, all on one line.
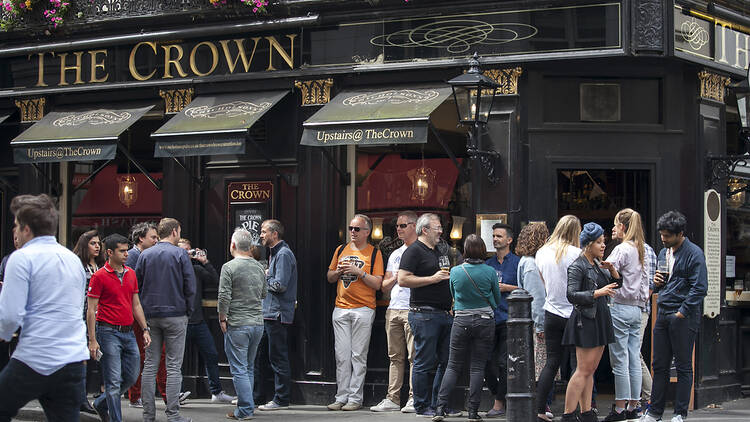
[(248, 205), (712, 251)]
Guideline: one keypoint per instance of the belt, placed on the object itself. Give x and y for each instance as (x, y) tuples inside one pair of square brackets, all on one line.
[(120, 328), (426, 309)]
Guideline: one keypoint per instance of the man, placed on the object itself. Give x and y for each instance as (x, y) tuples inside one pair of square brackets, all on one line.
[(397, 329), (278, 309), (649, 264), (166, 281), (198, 333), (43, 292), (357, 270), (113, 307), (505, 264), (5, 347), (430, 320), (678, 317), (143, 236), (242, 287)]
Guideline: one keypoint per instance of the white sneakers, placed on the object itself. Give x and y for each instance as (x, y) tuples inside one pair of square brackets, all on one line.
[(222, 397), (648, 418), (409, 408), (677, 418), (386, 405)]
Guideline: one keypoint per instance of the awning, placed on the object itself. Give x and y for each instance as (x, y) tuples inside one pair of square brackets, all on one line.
[(214, 124), (394, 115), (3, 117), (79, 135)]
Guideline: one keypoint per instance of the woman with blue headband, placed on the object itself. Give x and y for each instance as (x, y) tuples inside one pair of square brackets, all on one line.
[(589, 328)]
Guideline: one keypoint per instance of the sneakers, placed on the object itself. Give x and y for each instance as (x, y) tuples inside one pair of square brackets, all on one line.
[(648, 418), (548, 413), (272, 405), (439, 414), (102, 412), (337, 405), (351, 406), (184, 396), (409, 408), (222, 397), (474, 416), (454, 413), (677, 418), (633, 415), (614, 416), (231, 416), (385, 405), (495, 413), (427, 413), (138, 403), (589, 416)]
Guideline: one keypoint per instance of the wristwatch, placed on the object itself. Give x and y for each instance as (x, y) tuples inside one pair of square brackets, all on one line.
[(147, 328)]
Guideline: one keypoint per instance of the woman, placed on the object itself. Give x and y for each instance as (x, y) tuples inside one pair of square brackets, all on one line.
[(625, 352), (88, 249), (531, 238), (553, 260), (476, 293), (589, 327)]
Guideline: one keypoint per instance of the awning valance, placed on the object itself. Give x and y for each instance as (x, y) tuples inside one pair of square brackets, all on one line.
[(78, 135), (215, 124), (394, 115)]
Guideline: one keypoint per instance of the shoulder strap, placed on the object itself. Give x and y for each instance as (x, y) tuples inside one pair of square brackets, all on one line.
[(338, 251), (372, 258), (477, 287)]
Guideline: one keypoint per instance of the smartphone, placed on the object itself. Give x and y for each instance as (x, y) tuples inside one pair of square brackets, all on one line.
[(98, 355), (619, 284)]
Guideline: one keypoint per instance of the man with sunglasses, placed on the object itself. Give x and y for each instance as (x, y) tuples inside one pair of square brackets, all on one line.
[(357, 268), (397, 329)]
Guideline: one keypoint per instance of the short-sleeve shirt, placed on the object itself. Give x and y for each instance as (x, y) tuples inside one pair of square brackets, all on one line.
[(423, 261), (351, 291), (399, 295), (115, 295)]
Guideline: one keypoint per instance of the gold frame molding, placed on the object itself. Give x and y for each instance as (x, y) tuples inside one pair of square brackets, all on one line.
[(315, 92), (176, 99), (713, 86), (32, 109), (506, 78)]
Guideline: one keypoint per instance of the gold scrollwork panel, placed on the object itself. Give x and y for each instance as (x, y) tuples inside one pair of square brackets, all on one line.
[(31, 109), (315, 92)]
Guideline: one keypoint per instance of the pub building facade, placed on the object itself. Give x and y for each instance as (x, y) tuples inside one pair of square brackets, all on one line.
[(310, 111)]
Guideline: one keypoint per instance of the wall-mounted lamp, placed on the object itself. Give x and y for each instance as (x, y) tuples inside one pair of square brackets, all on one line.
[(457, 230), (736, 192), (377, 228)]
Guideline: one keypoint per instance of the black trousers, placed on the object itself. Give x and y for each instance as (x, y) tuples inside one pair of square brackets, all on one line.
[(497, 365), (554, 328), (673, 337)]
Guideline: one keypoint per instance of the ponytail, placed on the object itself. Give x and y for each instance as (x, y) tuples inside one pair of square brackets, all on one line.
[(633, 230)]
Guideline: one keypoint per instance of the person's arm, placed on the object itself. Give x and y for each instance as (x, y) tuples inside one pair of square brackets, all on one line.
[(188, 283), (140, 269), (575, 295), (334, 270), (224, 296), (532, 282), (389, 281), (698, 281), (371, 281), (140, 318), (278, 282), (93, 302), (14, 295), (495, 288), (408, 279)]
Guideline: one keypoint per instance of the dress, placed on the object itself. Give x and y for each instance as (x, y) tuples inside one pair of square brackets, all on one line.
[(581, 330)]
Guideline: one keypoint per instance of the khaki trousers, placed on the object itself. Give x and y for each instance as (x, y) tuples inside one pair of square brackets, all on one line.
[(400, 346)]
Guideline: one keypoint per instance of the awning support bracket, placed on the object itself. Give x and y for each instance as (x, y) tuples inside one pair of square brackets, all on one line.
[(91, 176), (56, 188), (197, 180), (137, 165), (343, 174), (447, 150), (290, 179), (373, 167)]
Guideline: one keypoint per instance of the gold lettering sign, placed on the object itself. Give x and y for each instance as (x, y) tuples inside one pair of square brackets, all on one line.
[(250, 192)]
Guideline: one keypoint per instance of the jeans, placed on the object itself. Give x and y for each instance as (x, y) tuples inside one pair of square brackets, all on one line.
[(199, 335), (134, 393), (554, 327), (431, 350), (169, 332), (469, 336), (497, 364), (351, 332), (625, 352), (400, 348), (673, 337), (120, 363), (4, 354), (58, 393), (278, 355), (645, 372), (241, 345)]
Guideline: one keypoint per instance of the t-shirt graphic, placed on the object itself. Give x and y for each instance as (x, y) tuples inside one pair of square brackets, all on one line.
[(348, 279), (352, 292)]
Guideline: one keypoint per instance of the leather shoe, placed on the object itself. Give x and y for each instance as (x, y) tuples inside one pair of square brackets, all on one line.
[(86, 407)]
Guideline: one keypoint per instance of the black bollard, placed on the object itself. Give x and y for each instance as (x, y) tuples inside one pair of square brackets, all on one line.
[(521, 397)]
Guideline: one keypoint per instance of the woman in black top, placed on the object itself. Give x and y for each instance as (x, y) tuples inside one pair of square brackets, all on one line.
[(589, 327)]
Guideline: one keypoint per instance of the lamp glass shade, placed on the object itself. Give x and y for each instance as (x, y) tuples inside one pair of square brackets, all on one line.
[(128, 190), (486, 97), (457, 229), (465, 103), (742, 108), (738, 199), (377, 228)]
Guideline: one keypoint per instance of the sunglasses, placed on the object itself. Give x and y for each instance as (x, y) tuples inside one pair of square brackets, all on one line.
[(403, 226), (356, 229)]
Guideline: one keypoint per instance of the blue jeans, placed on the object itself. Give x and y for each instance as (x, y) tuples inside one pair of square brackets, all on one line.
[(431, 349), (625, 352), (278, 354), (120, 363), (58, 393), (241, 345), (199, 335)]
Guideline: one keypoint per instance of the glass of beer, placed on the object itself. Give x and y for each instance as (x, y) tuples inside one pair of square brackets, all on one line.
[(444, 262), (663, 268)]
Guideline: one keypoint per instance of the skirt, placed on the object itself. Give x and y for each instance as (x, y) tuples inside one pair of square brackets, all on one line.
[(590, 332)]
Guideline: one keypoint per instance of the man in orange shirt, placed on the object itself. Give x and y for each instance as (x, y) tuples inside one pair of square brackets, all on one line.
[(358, 269)]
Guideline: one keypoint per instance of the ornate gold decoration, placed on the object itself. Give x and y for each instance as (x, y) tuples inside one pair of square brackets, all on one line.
[(315, 92), (176, 99), (32, 109), (713, 86), (506, 78)]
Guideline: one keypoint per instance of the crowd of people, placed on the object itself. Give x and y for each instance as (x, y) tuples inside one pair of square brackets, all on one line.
[(143, 305)]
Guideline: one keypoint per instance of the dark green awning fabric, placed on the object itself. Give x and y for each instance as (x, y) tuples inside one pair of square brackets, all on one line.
[(212, 125), (80, 135), (395, 115)]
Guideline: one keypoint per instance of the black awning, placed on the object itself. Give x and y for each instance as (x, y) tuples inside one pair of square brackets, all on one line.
[(4, 117), (79, 135), (384, 116), (214, 124)]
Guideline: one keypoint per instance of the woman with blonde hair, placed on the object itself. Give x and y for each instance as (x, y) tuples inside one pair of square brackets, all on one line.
[(624, 353), (552, 260)]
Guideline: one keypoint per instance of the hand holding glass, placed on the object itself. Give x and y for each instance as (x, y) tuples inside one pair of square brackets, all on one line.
[(444, 263)]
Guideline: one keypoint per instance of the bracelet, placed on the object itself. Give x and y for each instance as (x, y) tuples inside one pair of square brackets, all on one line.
[(147, 329)]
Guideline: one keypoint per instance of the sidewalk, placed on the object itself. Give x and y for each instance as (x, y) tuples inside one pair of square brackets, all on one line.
[(202, 410)]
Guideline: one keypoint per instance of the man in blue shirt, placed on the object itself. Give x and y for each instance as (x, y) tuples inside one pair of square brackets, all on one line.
[(505, 264), (43, 292)]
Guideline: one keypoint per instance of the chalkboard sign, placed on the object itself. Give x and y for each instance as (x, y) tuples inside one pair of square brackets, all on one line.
[(249, 217), (248, 205)]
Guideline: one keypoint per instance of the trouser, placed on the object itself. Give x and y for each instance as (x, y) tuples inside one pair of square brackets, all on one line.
[(4, 354), (431, 350), (673, 337), (645, 373), (272, 363), (554, 328), (241, 345), (169, 332), (497, 364), (400, 348), (469, 336), (134, 393), (351, 332), (120, 363), (199, 335), (625, 352), (58, 393)]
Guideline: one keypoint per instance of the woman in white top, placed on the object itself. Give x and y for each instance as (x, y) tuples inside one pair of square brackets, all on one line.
[(553, 260), (624, 353)]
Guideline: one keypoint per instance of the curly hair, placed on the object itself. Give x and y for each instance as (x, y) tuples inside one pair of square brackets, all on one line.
[(531, 238)]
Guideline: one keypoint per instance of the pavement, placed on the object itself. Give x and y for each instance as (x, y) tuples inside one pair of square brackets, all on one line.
[(202, 410)]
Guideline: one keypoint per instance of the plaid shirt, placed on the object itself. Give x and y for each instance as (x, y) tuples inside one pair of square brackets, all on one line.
[(650, 267)]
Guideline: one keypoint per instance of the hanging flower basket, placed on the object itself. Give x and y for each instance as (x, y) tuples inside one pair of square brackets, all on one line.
[(13, 11)]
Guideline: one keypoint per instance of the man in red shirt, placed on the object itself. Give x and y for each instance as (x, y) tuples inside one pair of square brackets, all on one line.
[(112, 305)]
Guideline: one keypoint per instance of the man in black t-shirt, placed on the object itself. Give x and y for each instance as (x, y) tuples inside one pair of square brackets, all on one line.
[(429, 317)]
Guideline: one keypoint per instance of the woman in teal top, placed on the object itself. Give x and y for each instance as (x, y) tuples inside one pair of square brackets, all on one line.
[(476, 292)]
